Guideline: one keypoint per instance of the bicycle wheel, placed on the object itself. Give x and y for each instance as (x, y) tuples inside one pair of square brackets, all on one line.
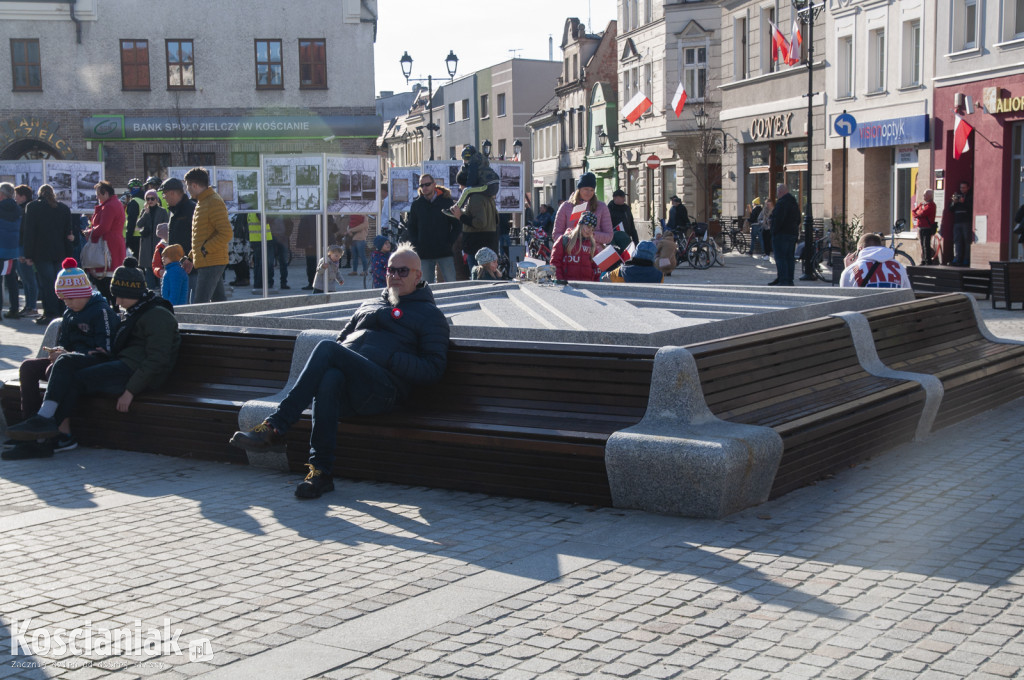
[(699, 255), (903, 258), (740, 241), (822, 265), (728, 241)]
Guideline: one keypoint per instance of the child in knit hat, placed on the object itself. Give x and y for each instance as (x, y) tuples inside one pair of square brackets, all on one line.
[(87, 329), (379, 260), (328, 272), (174, 284), (486, 268), (158, 252)]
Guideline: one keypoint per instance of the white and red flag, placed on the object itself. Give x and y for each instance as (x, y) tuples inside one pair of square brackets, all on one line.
[(619, 227), (7, 268), (796, 42), (629, 253), (679, 100), (606, 258), (637, 106), (576, 214), (961, 130), (780, 48)]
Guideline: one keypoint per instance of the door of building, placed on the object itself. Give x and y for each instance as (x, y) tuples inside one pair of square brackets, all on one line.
[(1016, 250)]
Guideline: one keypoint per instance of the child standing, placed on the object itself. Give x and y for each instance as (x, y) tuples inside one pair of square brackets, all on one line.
[(573, 256), (158, 250), (174, 285), (329, 271), (379, 260), (486, 268)]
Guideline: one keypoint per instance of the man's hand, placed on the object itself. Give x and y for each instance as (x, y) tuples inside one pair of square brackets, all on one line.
[(456, 211), (125, 401), (54, 352), (850, 258)]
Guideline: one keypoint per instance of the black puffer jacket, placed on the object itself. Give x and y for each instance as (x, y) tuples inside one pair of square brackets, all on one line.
[(179, 229), (410, 340), (46, 230), (92, 328), (431, 233), (786, 216)]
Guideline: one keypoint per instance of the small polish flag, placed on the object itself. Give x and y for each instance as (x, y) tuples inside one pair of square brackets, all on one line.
[(619, 227), (577, 213), (796, 41), (7, 267), (637, 106), (629, 253), (606, 258), (679, 100), (961, 130), (780, 48)]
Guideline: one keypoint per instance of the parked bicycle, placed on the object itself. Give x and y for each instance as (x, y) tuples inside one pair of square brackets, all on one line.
[(695, 247), (899, 254), (827, 261), (539, 245), (732, 239)]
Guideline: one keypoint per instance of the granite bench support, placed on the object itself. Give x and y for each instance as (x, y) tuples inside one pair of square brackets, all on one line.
[(868, 357), (682, 460)]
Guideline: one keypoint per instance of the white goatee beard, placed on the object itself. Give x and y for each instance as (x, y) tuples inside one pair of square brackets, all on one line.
[(393, 297)]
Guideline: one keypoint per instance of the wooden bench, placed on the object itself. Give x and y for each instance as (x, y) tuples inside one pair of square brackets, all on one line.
[(513, 418), (196, 411), (948, 279), (805, 382), (941, 336)]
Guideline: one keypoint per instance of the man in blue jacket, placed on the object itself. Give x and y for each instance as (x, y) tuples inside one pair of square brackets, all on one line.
[(390, 344)]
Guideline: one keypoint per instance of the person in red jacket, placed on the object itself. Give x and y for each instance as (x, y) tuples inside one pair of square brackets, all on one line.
[(573, 256), (924, 215), (107, 224)]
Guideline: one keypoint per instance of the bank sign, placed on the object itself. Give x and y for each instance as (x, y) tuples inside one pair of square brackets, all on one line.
[(228, 127), (890, 132)]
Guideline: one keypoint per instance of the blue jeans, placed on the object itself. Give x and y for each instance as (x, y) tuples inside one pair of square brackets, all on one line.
[(784, 247), (755, 238), (209, 284), (27, 274), (46, 275), (74, 375), (447, 265), (359, 255), (276, 253), (340, 383)]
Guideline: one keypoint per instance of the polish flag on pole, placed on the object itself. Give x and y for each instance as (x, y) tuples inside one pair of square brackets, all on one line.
[(629, 253), (679, 100), (7, 268), (576, 214), (780, 48), (796, 41), (606, 258), (961, 130), (619, 227), (637, 106)]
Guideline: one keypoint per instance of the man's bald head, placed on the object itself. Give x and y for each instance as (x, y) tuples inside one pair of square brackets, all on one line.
[(404, 260)]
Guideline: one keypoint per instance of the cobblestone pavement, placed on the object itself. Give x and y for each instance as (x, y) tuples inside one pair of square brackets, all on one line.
[(908, 566)]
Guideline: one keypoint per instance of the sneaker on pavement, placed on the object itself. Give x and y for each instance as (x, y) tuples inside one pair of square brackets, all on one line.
[(30, 312), (36, 427), (12, 314), (285, 286), (26, 450), (316, 483), (260, 438), (64, 442), (43, 321)]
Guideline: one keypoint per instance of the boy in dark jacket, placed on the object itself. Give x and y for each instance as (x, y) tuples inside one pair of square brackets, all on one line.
[(88, 327), (640, 269), (390, 344), (142, 355)]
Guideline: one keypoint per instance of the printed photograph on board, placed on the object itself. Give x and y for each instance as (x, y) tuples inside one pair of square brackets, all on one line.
[(510, 186), (293, 183), (73, 183), (444, 173), (22, 172), (403, 189), (352, 184)]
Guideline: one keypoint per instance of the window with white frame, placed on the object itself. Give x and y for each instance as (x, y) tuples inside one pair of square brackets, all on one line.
[(625, 20), (739, 52), (634, 18), (451, 112), (649, 81), (911, 76), (876, 60), (695, 72), (844, 64), (1013, 20), (465, 109), (965, 25), (501, 103), (648, 11)]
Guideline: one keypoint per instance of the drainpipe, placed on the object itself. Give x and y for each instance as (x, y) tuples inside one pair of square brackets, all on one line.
[(78, 22)]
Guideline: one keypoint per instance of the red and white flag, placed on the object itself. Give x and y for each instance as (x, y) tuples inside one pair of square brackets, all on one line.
[(637, 106), (629, 253), (961, 130), (679, 100), (7, 268), (606, 258), (576, 214), (796, 41), (619, 227), (780, 48)]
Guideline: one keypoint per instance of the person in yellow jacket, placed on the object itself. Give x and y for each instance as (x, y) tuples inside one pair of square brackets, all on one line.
[(211, 238)]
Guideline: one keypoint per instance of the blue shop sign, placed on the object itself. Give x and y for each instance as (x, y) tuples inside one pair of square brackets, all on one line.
[(891, 132)]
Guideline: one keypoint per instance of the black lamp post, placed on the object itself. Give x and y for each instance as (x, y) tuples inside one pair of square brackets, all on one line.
[(517, 148), (701, 117), (807, 11), (486, 148), (451, 62)]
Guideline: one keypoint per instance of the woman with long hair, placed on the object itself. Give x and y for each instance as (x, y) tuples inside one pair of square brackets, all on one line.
[(584, 199), (48, 240), (107, 225), (573, 256)]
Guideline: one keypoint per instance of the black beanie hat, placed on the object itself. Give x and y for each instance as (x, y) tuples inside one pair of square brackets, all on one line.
[(129, 282), (587, 179)]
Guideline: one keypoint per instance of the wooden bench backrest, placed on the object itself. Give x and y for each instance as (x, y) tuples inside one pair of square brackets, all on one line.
[(781, 363), (226, 358), (922, 326)]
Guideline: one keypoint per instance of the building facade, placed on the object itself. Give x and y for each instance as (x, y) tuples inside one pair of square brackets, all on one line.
[(979, 74), (144, 88)]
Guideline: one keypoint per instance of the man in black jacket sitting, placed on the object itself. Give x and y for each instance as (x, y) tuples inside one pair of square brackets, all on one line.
[(390, 344)]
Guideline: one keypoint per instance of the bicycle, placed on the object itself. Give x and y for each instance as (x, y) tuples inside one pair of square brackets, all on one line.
[(899, 254), (733, 238), (825, 255), (539, 245), (696, 248)]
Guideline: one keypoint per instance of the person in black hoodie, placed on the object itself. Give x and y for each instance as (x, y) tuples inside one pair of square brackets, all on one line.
[(181, 207), (622, 214), (431, 232), (49, 238), (785, 232), (962, 207), (390, 344)]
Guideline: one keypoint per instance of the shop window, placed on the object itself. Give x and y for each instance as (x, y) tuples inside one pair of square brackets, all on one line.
[(695, 72), (135, 65), (245, 159), (484, 110), (876, 60), (501, 104), (965, 25), (200, 158), (26, 69), (181, 73), (844, 62), (312, 64), (156, 164), (911, 53), (739, 39), (269, 65)]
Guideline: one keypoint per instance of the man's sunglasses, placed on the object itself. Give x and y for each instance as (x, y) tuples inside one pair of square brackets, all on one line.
[(428, 184), (400, 272)]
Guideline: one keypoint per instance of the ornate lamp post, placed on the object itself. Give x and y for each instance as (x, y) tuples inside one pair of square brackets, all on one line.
[(517, 148), (701, 117), (452, 63), (485, 148), (807, 12)]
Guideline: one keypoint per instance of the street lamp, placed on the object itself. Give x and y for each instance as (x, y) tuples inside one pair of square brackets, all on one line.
[(486, 148), (807, 11), (517, 148), (451, 62)]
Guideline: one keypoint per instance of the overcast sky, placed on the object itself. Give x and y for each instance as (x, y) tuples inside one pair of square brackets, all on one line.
[(481, 32)]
